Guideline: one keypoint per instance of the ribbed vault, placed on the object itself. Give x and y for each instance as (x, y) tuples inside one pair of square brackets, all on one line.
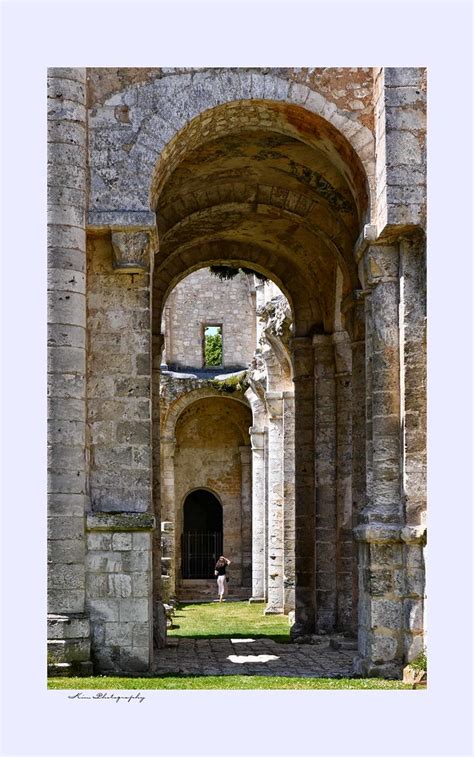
[(268, 185)]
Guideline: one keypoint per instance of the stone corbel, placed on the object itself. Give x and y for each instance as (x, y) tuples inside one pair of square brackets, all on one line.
[(274, 403), (131, 251), (257, 438), (302, 358), (379, 265)]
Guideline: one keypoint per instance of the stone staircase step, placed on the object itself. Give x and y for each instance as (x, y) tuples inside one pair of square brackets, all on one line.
[(69, 669)]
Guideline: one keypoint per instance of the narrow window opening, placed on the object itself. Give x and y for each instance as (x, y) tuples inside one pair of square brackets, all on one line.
[(212, 346)]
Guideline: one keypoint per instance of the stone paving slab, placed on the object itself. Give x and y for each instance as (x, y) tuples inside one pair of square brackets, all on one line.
[(233, 657)]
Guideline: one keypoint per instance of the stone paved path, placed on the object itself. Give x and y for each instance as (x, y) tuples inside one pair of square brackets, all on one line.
[(237, 656)]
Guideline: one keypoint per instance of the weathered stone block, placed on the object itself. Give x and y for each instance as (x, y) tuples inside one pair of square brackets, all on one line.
[(134, 610), (413, 614), (65, 527), (96, 585), (66, 551), (119, 585), (386, 613), (66, 576), (132, 387), (72, 481), (382, 648), (68, 626), (141, 585), (65, 600), (385, 555), (141, 541), (103, 609), (133, 432), (123, 521), (99, 541), (66, 360), (136, 561), (68, 650), (122, 541), (67, 504), (118, 633), (104, 562), (65, 457)]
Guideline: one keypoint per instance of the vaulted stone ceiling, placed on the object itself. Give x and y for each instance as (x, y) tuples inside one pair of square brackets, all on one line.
[(285, 194)]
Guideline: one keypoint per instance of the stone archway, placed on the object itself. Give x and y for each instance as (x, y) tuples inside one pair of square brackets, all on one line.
[(205, 446), (284, 193), (202, 536), (287, 184)]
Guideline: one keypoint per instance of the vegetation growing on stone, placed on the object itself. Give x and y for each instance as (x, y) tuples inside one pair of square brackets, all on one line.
[(227, 272), (237, 383)]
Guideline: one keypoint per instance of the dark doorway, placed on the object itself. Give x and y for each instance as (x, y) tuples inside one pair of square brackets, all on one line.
[(202, 534)]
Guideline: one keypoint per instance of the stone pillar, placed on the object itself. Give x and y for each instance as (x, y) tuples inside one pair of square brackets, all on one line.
[(119, 590), (168, 517), (345, 547), (157, 341), (303, 377), (413, 313), (257, 438), (246, 514), (380, 550), (67, 462), (358, 402), (325, 446), (289, 499), (274, 401)]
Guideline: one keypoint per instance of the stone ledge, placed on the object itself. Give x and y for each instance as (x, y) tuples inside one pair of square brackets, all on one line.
[(121, 220), (378, 534), (124, 521), (414, 535)]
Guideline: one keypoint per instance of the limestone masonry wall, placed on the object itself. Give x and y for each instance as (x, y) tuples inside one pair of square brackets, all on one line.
[(201, 298), (118, 384)]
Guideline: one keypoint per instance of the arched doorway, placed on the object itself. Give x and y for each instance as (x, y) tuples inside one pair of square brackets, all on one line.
[(202, 538)]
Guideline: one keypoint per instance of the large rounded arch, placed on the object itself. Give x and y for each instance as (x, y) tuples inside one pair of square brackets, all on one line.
[(278, 188)]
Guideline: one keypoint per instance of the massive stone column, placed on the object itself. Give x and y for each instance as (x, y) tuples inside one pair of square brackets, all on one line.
[(413, 358), (326, 516), (344, 539), (305, 595), (358, 435), (246, 513), (274, 402), (168, 517), (257, 438), (67, 461), (289, 499), (380, 549)]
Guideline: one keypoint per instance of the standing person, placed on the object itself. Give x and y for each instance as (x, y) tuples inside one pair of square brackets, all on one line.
[(219, 571)]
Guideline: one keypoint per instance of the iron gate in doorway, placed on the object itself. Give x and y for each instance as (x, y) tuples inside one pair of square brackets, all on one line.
[(200, 552)]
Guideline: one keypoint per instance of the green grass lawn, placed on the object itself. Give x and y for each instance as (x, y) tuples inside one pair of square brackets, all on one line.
[(230, 619), (226, 620), (103, 683)]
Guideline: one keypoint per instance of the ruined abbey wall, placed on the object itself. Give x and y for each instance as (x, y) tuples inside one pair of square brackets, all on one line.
[(202, 299), (316, 177)]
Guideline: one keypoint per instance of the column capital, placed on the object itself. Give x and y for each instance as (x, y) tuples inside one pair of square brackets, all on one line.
[(380, 264), (302, 357), (257, 438), (274, 403), (131, 251)]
